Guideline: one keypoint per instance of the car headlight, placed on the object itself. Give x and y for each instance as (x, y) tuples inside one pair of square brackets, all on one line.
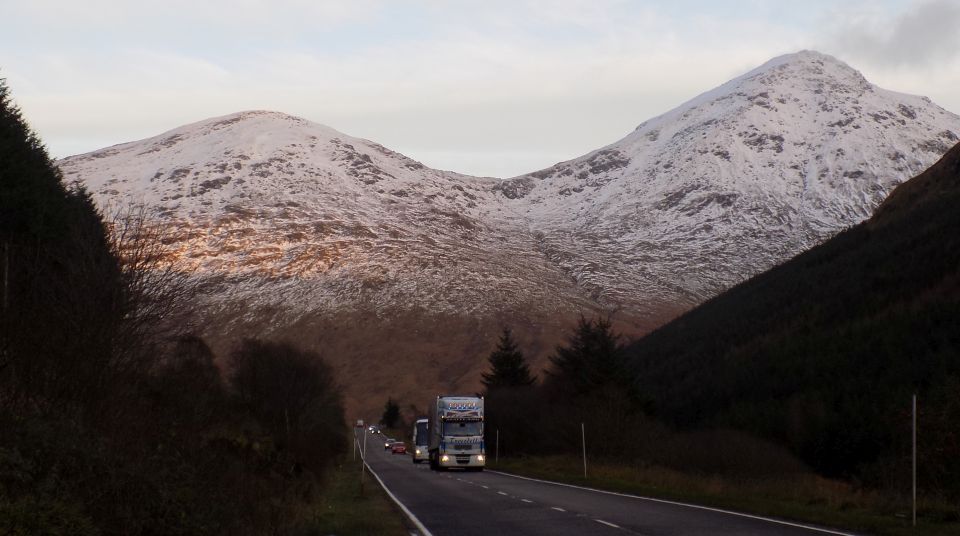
[(418, 452), (480, 457), (444, 458)]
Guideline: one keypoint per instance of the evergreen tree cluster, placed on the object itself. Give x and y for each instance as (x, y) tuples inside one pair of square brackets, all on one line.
[(586, 383)]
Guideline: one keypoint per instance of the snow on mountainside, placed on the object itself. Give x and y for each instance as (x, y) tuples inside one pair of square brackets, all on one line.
[(339, 243), (299, 216), (731, 182)]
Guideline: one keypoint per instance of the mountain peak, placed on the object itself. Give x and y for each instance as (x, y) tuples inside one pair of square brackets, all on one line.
[(805, 64), (801, 56)]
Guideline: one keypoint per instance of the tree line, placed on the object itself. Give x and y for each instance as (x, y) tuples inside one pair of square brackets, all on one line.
[(115, 418)]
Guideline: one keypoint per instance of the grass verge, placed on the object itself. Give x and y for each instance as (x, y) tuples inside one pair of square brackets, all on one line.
[(346, 510), (803, 497)]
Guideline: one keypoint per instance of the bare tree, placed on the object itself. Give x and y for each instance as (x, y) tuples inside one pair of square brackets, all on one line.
[(160, 292)]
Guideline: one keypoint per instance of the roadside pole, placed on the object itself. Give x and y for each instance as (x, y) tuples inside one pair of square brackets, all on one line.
[(583, 437), (914, 460), (363, 459), (496, 451)]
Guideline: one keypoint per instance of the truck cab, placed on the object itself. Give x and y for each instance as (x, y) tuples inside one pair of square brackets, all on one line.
[(421, 441), (456, 434)]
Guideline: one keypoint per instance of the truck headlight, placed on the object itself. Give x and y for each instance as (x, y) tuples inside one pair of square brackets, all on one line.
[(418, 452), (444, 458), (480, 457)]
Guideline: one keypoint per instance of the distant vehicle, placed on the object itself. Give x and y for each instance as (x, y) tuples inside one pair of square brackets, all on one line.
[(398, 448), (421, 440), (456, 433), (373, 429), (359, 423), (388, 442)]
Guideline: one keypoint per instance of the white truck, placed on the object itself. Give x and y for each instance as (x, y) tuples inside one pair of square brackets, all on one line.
[(421, 440), (456, 433)]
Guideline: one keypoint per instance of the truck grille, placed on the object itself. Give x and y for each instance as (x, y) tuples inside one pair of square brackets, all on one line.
[(462, 447)]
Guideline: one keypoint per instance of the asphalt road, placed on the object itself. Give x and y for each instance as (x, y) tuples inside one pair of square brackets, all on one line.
[(459, 503)]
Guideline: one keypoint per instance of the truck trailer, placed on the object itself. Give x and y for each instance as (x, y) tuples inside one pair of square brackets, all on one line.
[(456, 433)]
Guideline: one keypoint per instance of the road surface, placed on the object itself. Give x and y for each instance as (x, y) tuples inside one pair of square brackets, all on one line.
[(457, 503)]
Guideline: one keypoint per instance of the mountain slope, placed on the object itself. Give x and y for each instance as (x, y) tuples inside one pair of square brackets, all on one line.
[(731, 182), (400, 274), (262, 196), (404, 275), (824, 351)]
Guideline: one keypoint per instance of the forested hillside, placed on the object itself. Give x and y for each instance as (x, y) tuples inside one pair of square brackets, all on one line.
[(114, 419), (823, 352)]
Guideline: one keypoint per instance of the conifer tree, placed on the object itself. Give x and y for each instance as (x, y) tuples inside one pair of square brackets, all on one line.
[(391, 414), (591, 360), (508, 368), (59, 281)]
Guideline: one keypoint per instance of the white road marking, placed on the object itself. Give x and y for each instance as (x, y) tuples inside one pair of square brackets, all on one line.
[(501, 493), (607, 523), (557, 508), (675, 503), (416, 522), (484, 487), (526, 500)]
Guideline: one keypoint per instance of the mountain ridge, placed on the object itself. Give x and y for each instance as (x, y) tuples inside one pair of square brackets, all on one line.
[(796, 147), (296, 224)]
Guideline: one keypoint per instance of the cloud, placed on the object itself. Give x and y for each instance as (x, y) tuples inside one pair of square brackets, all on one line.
[(439, 80), (923, 35)]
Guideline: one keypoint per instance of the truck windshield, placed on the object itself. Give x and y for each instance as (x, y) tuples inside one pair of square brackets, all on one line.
[(463, 428)]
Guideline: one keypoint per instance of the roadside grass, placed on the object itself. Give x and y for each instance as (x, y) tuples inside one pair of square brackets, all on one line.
[(800, 497), (343, 509)]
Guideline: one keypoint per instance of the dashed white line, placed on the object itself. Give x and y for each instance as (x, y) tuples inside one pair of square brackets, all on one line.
[(675, 503), (607, 523), (557, 508), (484, 487), (501, 493), (526, 500)]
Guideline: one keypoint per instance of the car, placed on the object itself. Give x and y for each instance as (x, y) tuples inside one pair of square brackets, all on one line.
[(398, 448), (387, 443)]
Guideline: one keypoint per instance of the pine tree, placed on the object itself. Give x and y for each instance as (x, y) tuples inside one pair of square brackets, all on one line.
[(391, 414), (508, 368), (59, 280), (591, 360)]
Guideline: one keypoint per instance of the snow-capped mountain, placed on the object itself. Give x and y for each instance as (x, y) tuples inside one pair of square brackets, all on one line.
[(330, 222), (339, 243), (732, 182)]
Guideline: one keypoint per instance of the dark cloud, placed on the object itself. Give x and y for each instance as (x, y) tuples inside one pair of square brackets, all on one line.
[(925, 34)]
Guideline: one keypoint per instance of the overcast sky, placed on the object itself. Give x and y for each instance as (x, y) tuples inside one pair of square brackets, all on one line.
[(485, 87)]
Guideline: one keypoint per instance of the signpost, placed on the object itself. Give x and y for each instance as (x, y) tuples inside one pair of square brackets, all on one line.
[(914, 460), (583, 437)]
